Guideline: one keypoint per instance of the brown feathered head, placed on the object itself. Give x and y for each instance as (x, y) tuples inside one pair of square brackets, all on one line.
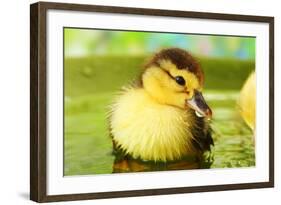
[(173, 76)]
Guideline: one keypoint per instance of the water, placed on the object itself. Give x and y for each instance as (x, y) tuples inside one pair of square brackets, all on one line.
[(88, 145)]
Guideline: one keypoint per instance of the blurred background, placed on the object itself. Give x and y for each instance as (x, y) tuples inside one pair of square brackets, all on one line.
[(97, 63), (84, 42)]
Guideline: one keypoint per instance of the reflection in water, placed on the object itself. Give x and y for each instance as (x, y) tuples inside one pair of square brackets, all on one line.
[(132, 165), (128, 164)]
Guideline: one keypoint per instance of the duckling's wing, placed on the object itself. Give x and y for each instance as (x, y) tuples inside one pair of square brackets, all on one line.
[(202, 135)]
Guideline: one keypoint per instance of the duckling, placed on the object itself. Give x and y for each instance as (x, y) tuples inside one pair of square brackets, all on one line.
[(247, 101), (162, 121)]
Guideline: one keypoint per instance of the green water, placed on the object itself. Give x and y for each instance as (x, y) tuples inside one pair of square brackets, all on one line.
[(91, 83)]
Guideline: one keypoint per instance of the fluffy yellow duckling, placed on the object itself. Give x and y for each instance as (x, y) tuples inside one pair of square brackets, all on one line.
[(247, 101), (161, 122)]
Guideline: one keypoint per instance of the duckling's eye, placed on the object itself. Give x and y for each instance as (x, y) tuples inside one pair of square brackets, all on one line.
[(180, 80)]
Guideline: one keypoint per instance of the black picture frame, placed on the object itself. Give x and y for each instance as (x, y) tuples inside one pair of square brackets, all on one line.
[(38, 101)]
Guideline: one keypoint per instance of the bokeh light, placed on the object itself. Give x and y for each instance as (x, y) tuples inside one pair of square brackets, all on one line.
[(85, 42)]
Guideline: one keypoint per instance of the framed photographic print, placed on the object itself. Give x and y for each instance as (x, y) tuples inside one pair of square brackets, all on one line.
[(134, 102)]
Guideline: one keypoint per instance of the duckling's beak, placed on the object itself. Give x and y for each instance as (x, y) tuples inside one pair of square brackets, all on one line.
[(198, 103)]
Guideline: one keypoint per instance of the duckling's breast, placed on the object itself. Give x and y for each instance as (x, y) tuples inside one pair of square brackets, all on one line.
[(148, 130)]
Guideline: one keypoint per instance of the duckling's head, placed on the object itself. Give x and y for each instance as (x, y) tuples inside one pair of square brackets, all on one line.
[(174, 77)]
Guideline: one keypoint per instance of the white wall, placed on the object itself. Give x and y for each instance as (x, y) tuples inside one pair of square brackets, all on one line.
[(14, 109)]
